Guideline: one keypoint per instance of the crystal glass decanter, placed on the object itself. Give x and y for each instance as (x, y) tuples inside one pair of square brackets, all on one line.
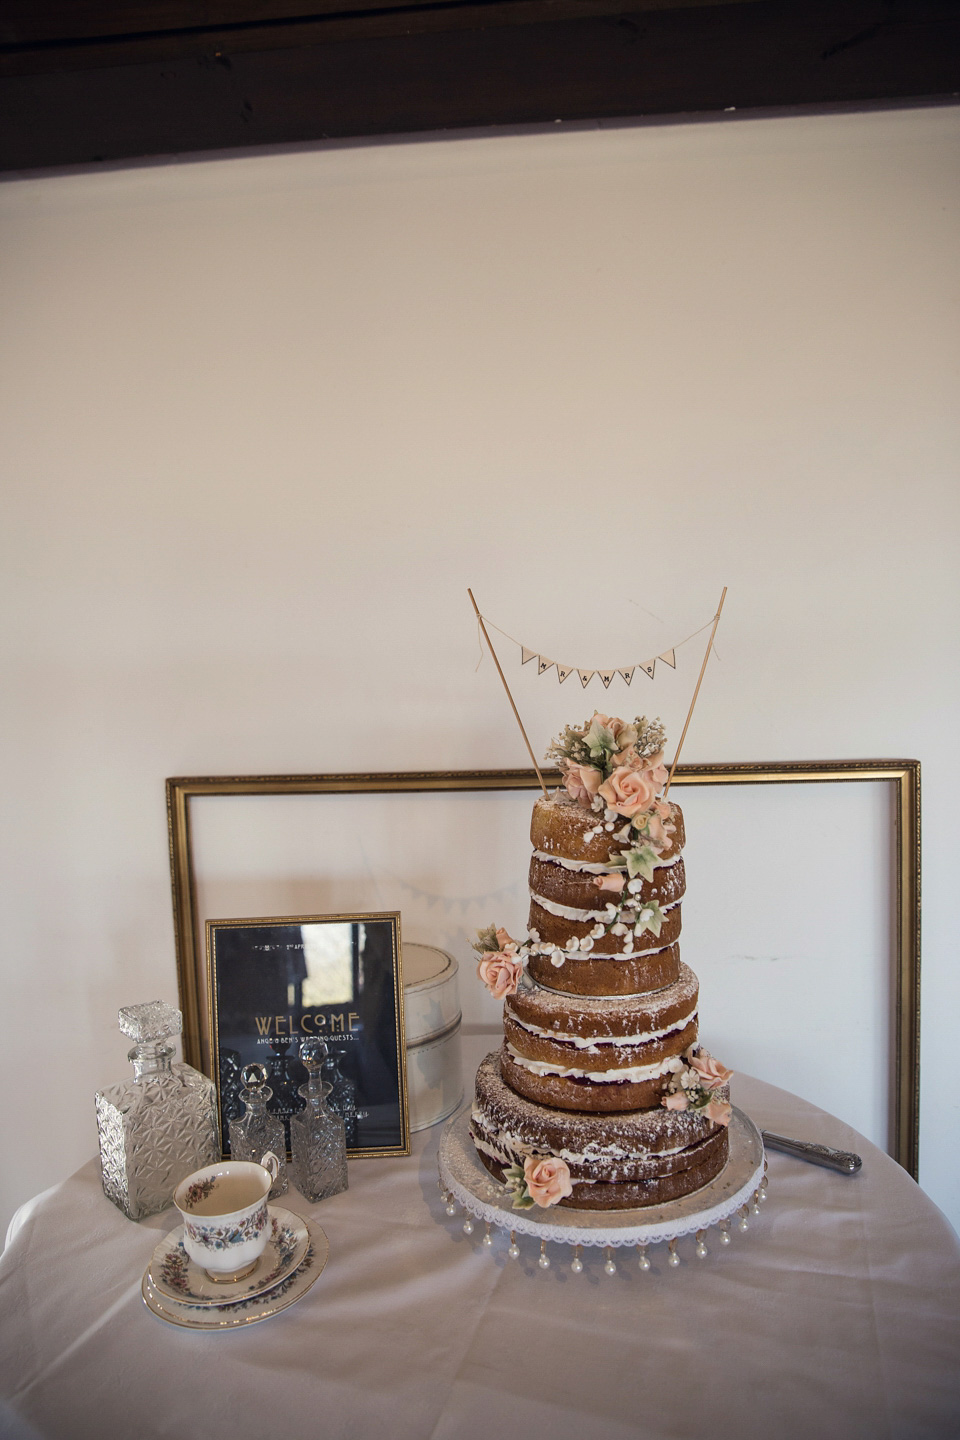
[(317, 1135), (161, 1124), (257, 1131), (343, 1094)]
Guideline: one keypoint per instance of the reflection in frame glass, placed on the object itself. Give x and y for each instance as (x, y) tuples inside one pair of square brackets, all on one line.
[(903, 777)]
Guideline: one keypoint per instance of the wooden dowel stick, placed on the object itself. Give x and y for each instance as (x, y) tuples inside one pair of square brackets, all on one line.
[(716, 622), (507, 688)]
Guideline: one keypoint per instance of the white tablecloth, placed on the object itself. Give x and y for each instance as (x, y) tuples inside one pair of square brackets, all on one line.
[(837, 1315)]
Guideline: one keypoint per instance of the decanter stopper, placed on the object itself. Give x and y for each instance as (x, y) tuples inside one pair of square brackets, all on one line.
[(317, 1135), (257, 1131), (157, 1126)]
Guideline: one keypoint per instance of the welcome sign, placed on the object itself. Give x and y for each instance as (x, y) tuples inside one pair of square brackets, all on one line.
[(277, 982)]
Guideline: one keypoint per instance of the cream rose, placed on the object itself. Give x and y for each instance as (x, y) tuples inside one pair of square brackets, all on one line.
[(712, 1073), (610, 882), (718, 1111), (656, 769), (547, 1180), (500, 973), (628, 791), (582, 782)]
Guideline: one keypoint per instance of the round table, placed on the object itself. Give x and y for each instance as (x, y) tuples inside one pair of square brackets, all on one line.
[(836, 1315)]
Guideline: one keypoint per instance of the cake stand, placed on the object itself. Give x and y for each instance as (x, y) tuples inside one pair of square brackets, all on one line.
[(738, 1189)]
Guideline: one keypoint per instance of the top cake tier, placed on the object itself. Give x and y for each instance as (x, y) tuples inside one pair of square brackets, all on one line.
[(596, 929)]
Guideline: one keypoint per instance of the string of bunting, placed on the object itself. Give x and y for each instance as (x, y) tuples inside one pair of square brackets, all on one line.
[(626, 672)]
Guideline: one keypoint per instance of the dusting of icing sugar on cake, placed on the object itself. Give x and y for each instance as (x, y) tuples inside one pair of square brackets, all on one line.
[(601, 1095)]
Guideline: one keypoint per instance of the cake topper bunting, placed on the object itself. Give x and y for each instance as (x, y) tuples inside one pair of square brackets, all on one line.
[(543, 663)]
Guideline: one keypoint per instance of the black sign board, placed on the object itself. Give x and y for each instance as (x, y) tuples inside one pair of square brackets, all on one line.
[(277, 982)]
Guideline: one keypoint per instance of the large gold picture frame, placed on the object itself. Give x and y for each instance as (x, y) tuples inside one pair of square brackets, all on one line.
[(902, 775)]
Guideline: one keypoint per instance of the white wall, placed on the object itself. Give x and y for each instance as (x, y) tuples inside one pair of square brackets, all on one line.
[(263, 419)]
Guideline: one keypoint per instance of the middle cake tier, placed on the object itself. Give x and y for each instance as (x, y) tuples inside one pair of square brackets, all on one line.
[(577, 1052)]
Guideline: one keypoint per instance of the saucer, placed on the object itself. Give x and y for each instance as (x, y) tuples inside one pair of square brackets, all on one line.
[(173, 1274), (248, 1311)]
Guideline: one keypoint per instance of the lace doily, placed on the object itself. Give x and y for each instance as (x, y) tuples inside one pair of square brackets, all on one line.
[(463, 1175)]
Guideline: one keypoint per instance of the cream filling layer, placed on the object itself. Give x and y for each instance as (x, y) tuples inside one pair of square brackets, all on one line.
[(511, 1147), (568, 912), (591, 1044), (634, 1073), (594, 867)]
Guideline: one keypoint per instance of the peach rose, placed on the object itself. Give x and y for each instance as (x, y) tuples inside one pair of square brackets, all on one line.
[(712, 1073), (658, 772), (547, 1180), (676, 1101), (628, 791), (610, 722), (505, 941), (582, 782), (610, 882), (718, 1111), (500, 973), (656, 832)]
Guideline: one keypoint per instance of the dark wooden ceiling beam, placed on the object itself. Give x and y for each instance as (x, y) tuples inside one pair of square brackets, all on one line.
[(280, 78)]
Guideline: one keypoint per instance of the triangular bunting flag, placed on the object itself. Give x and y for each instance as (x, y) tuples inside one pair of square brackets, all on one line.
[(527, 654), (648, 667), (563, 671), (585, 677), (543, 665), (669, 657), (606, 676), (627, 674)]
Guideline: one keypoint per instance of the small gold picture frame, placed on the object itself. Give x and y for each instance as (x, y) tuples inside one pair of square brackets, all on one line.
[(275, 982)]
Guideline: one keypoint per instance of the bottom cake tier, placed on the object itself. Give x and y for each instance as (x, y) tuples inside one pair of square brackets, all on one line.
[(616, 1161)]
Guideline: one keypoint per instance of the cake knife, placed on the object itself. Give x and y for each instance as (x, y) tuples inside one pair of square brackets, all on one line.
[(843, 1160)]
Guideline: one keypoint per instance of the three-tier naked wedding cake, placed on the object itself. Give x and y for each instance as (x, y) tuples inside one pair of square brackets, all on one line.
[(601, 1097)]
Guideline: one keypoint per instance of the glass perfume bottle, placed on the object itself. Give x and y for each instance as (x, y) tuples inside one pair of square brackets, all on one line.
[(317, 1135), (343, 1094), (161, 1124), (257, 1131)]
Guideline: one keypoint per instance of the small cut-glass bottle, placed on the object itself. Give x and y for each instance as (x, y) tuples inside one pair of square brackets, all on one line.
[(161, 1124), (257, 1131), (317, 1136), (343, 1093)]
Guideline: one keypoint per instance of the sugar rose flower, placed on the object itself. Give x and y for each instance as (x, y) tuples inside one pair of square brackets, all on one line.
[(628, 791), (625, 735), (656, 769), (656, 832), (712, 1073), (582, 782), (609, 722), (718, 1111), (610, 882), (547, 1180), (676, 1101), (500, 972), (506, 942)]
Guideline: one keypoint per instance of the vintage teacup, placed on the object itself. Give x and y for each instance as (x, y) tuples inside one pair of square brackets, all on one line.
[(224, 1209)]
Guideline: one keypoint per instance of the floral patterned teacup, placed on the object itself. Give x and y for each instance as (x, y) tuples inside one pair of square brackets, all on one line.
[(224, 1209)]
